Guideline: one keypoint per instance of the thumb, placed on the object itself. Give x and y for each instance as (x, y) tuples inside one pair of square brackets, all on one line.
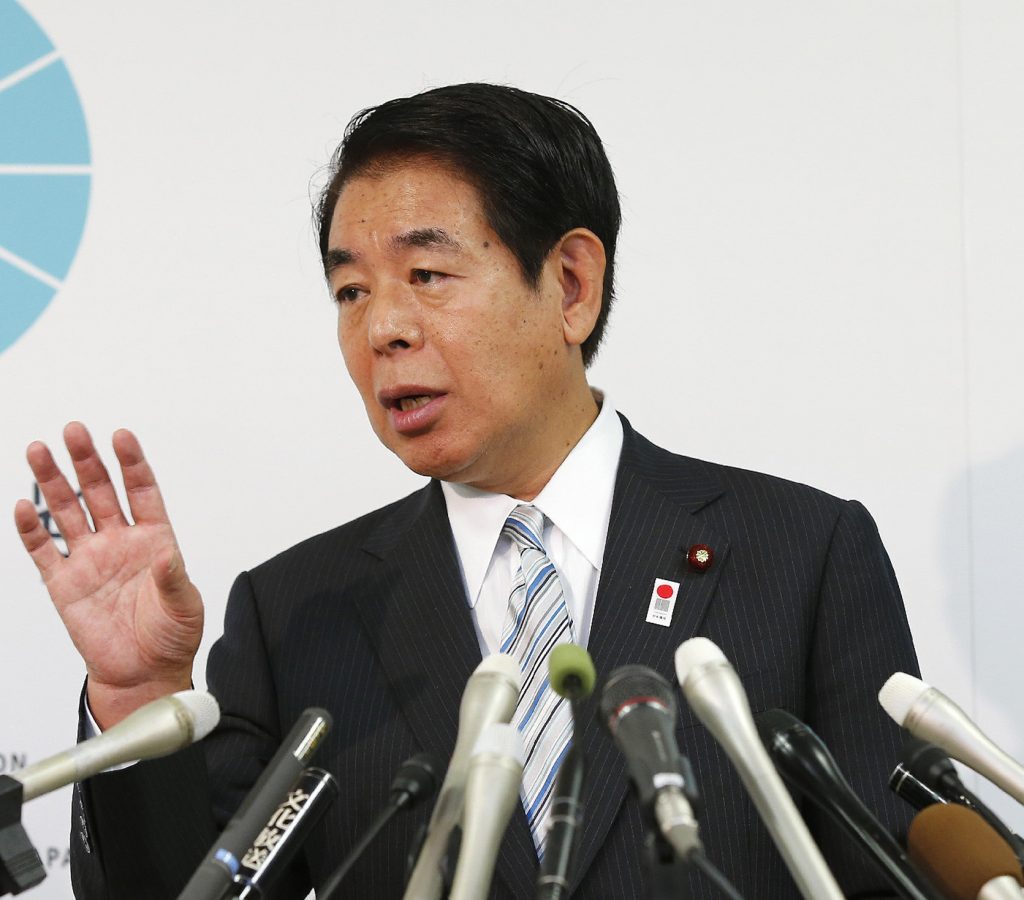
[(172, 581)]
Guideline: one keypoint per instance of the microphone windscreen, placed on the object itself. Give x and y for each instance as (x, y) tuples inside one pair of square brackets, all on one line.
[(693, 653), (416, 778), (634, 683), (571, 672), (203, 710), (899, 694), (959, 851)]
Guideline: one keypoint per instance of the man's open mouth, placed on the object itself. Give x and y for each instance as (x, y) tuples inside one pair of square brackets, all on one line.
[(413, 402)]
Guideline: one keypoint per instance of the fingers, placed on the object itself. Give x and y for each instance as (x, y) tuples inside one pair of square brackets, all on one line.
[(93, 478), (60, 498), (144, 498), (36, 538)]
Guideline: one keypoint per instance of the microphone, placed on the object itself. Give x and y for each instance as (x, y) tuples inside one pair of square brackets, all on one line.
[(929, 714), (715, 694), (638, 710), (159, 728), (491, 695), (805, 763), (908, 787), (415, 780), (963, 855), (571, 675), (284, 833), (214, 875), (492, 793), (929, 767)]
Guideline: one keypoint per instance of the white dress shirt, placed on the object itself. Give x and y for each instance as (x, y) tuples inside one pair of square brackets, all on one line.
[(577, 504)]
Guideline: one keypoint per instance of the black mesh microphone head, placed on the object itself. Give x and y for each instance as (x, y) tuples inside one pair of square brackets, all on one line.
[(416, 779), (928, 764), (773, 722), (630, 685)]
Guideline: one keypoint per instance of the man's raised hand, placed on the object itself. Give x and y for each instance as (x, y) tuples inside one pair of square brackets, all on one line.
[(122, 592)]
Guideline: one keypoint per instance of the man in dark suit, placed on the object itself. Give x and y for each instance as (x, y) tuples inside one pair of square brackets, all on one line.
[(468, 236)]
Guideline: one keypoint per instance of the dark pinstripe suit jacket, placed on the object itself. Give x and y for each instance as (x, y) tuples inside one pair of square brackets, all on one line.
[(370, 621)]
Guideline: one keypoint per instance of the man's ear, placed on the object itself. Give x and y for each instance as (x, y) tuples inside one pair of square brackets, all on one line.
[(578, 263)]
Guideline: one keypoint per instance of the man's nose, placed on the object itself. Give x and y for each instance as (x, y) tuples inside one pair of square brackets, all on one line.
[(394, 323)]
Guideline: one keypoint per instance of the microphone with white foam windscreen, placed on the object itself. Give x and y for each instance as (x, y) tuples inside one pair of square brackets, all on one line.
[(159, 728), (713, 690), (930, 715), (490, 697), (493, 780)]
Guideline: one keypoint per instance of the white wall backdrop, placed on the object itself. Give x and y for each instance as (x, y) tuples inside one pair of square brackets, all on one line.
[(820, 276)]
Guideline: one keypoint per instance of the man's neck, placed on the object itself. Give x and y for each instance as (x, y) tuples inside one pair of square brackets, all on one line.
[(529, 479)]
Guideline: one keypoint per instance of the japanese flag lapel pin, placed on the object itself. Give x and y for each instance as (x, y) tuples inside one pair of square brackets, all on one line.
[(663, 602)]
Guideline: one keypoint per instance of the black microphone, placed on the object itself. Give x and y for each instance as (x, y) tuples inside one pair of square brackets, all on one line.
[(805, 762), (215, 873), (289, 825), (571, 673), (638, 710), (929, 766), (907, 786), (415, 780)]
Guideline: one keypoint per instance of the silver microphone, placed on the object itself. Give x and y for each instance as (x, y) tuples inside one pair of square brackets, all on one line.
[(491, 695), (159, 728), (929, 714), (715, 694), (492, 792)]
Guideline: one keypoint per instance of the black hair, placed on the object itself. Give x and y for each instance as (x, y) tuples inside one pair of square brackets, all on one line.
[(537, 163)]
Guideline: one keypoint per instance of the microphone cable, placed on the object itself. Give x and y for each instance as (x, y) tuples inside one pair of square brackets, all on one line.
[(415, 780)]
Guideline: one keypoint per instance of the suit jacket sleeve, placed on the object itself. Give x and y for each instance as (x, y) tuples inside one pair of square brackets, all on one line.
[(141, 831), (860, 637)]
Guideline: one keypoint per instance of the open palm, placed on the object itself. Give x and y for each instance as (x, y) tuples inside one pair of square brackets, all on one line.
[(122, 592)]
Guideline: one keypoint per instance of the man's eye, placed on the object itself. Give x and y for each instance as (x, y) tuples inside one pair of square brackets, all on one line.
[(348, 294), (426, 276)]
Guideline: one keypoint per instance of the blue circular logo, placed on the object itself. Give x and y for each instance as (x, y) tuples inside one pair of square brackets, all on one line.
[(45, 171)]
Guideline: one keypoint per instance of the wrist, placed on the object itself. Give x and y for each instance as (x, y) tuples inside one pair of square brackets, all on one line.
[(109, 704)]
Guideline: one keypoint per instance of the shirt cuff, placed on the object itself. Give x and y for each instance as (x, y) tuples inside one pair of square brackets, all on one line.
[(91, 730)]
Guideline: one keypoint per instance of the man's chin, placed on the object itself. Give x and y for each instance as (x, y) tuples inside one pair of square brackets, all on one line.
[(442, 466)]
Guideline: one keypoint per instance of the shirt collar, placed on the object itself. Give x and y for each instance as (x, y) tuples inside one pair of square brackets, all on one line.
[(577, 499)]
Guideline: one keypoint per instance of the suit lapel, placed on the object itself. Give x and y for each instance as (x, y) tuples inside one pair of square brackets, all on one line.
[(653, 524), (417, 616)]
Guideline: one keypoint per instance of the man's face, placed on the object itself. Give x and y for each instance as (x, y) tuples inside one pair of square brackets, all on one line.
[(461, 364)]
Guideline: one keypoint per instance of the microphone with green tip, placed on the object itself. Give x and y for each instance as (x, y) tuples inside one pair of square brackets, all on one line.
[(572, 676)]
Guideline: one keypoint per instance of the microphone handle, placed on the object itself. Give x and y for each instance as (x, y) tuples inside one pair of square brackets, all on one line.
[(488, 698), (492, 794), (566, 816), (157, 729), (936, 719), (864, 828), (725, 711), (215, 873), (805, 763), (284, 833)]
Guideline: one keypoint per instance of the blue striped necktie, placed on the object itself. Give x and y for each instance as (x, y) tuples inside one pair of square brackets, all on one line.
[(536, 621)]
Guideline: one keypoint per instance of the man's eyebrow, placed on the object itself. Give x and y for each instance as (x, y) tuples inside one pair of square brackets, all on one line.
[(338, 257), (425, 237), (416, 237)]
